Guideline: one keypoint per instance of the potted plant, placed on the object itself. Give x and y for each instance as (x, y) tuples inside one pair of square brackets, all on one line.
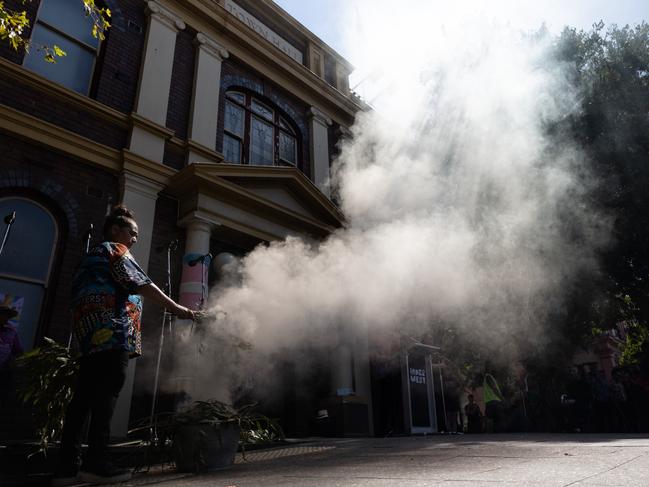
[(206, 436), (46, 379)]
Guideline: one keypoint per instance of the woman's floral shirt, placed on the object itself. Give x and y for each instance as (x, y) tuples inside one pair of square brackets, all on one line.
[(106, 311)]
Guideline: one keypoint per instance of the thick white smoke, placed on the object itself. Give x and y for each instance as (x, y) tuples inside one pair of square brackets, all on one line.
[(460, 209)]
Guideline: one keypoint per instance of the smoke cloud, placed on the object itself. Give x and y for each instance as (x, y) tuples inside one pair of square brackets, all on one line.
[(461, 209)]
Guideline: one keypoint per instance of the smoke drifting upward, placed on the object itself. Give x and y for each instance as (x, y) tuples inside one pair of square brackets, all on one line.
[(460, 209)]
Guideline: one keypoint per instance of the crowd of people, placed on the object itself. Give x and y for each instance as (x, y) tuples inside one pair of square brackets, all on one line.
[(581, 400), (593, 404)]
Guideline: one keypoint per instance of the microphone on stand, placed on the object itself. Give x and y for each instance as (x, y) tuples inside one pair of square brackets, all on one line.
[(88, 236), (10, 218), (200, 259), (172, 246)]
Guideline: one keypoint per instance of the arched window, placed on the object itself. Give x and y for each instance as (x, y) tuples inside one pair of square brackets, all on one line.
[(26, 262), (256, 133), (62, 22)]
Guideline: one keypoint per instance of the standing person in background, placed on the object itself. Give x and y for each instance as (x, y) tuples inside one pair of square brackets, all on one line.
[(493, 409), (106, 312), (452, 401), (9, 349), (473, 416)]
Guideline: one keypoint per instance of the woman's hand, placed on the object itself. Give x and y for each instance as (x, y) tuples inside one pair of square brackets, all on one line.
[(184, 313), (153, 292)]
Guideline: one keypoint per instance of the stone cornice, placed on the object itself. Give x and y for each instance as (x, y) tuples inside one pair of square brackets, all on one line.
[(275, 9), (150, 126), (143, 186), (275, 173), (49, 135), (167, 17), (198, 218), (209, 154), (211, 46), (318, 116), (246, 45), (219, 178), (151, 170)]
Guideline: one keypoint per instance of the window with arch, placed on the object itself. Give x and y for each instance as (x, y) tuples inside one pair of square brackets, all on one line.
[(256, 133), (26, 262), (62, 22)]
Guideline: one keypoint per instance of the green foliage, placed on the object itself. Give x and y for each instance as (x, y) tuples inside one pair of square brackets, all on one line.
[(637, 332), (12, 26), (99, 18), (15, 24), (635, 344), (47, 377), (609, 68), (255, 427)]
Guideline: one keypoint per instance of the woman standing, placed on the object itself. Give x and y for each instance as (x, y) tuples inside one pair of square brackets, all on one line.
[(107, 292)]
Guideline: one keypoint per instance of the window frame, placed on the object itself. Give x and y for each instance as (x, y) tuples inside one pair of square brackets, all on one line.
[(47, 284), (89, 49), (280, 123)]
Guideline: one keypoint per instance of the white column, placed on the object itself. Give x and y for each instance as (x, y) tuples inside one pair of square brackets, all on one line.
[(205, 98), (342, 371), (362, 377), (319, 134), (193, 285), (155, 81), (139, 195), (342, 365)]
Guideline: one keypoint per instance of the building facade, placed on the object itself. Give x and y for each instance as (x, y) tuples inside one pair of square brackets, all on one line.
[(216, 121)]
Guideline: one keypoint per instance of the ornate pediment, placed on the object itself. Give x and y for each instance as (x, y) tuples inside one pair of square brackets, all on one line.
[(266, 202)]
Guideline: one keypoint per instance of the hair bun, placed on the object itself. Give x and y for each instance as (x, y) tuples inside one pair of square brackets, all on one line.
[(121, 210)]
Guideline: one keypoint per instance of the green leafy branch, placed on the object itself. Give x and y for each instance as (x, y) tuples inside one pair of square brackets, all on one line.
[(637, 332), (14, 25)]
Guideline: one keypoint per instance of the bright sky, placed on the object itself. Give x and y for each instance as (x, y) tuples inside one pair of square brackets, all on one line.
[(326, 18)]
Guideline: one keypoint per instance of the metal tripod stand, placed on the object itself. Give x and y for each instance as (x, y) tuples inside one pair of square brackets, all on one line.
[(166, 317)]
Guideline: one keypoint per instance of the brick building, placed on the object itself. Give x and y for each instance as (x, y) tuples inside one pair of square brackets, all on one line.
[(215, 120)]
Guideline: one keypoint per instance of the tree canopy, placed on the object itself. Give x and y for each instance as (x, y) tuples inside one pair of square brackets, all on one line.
[(609, 66)]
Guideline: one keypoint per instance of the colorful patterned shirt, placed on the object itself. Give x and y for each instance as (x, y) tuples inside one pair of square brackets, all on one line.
[(106, 311)]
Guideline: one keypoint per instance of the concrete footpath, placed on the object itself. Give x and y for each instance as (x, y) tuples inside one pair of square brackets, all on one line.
[(450, 461)]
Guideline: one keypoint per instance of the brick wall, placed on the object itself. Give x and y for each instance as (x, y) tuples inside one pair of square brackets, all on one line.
[(60, 112), (78, 193), (118, 71), (174, 156), (182, 79)]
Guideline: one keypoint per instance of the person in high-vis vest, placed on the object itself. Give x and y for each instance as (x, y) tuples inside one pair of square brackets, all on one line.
[(493, 400)]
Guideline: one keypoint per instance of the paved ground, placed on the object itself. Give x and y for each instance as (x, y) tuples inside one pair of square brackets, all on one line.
[(528, 460)]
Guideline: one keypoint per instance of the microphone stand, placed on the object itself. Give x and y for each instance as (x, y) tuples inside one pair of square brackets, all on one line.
[(89, 237), (166, 315), (9, 220), (207, 257), (87, 249)]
